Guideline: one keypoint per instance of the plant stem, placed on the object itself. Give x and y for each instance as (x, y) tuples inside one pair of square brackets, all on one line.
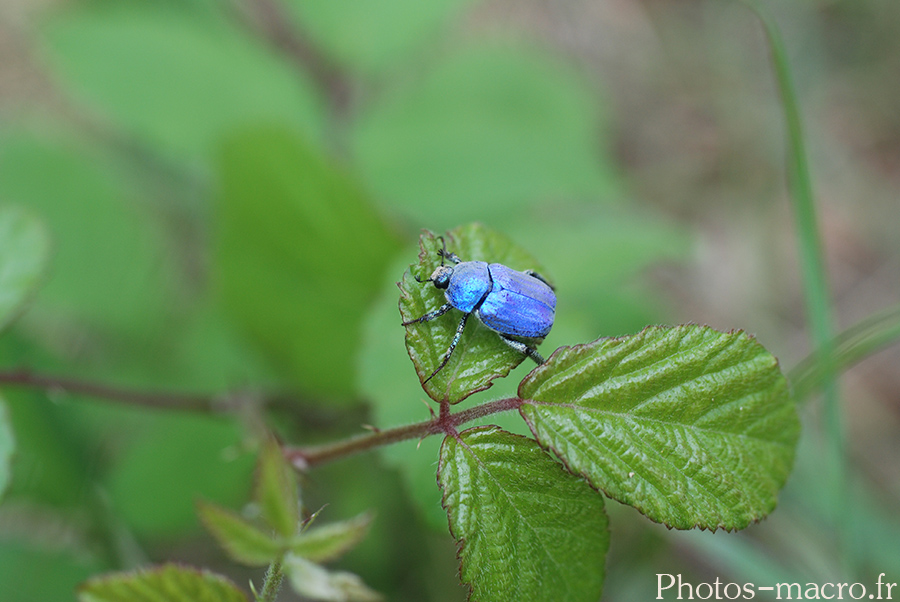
[(815, 286), (272, 584), (850, 346), (166, 401), (306, 409), (304, 458), (271, 20)]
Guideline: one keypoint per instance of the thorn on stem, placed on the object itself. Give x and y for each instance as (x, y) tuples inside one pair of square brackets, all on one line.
[(430, 409)]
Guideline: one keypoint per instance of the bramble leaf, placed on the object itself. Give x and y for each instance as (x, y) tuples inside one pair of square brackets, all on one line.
[(691, 426), (386, 380), (480, 356), (527, 529), (332, 540), (167, 583), (24, 252), (277, 491), (244, 541)]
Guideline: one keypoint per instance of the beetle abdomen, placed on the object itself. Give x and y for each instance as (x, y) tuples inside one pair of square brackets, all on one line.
[(518, 305)]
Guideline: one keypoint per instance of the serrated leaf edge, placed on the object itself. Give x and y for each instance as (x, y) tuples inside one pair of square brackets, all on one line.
[(582, 474), (461, 541)]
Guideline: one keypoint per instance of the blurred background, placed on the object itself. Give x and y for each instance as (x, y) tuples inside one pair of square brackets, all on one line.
[(233, 187)]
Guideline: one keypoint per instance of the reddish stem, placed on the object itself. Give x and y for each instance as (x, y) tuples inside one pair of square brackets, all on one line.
[(446, 422), (302, 457), (168, 401)]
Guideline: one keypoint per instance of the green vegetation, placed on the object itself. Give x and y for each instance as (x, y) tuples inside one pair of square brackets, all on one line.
[(207, 208)]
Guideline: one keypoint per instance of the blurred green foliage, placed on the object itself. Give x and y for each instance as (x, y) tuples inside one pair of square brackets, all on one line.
[(371, 38), (230, 207), (299, 252), (174, 78), (520, 125), (24, 251)]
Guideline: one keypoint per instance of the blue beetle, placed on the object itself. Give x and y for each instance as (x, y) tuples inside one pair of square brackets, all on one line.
[(509, 302)]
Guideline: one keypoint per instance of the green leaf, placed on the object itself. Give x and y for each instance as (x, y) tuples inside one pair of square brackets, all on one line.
[(24, 253), (691, 426), (316, 583), (7, 447), (484, 131), (599, 255), (50, 572), (244, 542), (331, 541), (372, 36), (169, 463), (50, 465), (167, 583), (526, 528), (480, 356), (396, 397), (300, 256), (111, 271), (174, 78), (277, 492)]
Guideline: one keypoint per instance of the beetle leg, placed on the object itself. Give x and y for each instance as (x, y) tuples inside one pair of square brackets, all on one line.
[(430, 315), (523, 348), (451, 256), (534, 274), (443, 253), (453, 343)]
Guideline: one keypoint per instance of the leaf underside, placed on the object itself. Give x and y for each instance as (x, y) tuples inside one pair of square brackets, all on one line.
[(526, 528), (691, 426), (480, 356), (314, 582)]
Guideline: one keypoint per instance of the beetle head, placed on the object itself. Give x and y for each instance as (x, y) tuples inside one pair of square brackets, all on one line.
[(441, 276)]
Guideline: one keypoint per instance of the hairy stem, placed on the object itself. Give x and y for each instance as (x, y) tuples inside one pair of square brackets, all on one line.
[(301, 457), (272, 584), (304, 458)]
